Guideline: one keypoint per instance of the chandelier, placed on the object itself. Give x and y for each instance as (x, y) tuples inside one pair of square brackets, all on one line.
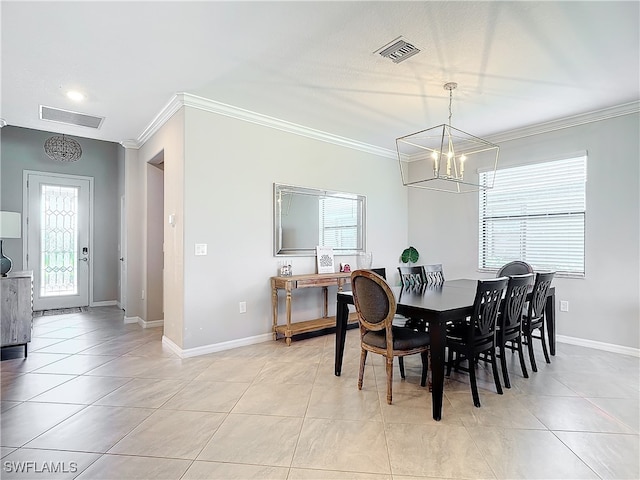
[(446, 159), (62, 149)]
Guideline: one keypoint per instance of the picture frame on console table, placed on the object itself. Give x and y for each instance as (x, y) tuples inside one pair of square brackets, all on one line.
[(325, 259)]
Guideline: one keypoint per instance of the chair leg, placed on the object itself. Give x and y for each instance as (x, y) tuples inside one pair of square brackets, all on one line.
[(521, 356), (389, 366), (544, 345), (532, 357), (425, 367), (494, 366), (472, 378), (363, 359), (401, 364), (503, 363)]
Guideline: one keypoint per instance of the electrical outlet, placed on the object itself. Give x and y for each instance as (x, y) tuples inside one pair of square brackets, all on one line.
[(243, 307), (564, 306), (201, 249)]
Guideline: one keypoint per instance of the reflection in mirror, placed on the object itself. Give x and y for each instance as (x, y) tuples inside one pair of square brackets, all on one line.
[(307, 217)]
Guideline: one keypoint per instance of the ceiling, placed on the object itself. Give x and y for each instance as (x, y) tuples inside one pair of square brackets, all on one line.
[(315, 63)]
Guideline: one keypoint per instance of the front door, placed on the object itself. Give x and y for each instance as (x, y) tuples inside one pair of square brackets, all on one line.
[(58, 239)]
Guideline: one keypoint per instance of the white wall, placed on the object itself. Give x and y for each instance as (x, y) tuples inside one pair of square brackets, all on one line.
[(230, 168), (605, 305)]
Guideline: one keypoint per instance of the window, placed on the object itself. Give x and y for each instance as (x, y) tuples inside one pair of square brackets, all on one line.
[(339, 223), (535, 213)]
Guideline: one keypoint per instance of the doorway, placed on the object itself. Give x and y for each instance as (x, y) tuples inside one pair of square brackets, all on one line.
[(58, 211)]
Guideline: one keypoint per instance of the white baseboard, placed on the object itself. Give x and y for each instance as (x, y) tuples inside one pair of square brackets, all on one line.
[(609, 347), (132, 319), (143, 323), (108, 303), (151, 323), (215, 347)]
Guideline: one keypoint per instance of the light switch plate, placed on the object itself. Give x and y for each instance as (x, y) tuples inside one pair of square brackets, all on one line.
[(201, 248)]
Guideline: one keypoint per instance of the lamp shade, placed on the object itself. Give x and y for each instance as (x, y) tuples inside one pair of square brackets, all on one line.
[(10, 225)]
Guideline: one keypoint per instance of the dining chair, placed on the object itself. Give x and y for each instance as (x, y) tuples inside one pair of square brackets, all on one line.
[(517, 267), (509, 327), (468, 340), (412, 276), (433, 274), (376, 306), (380, 271), (533, 319)]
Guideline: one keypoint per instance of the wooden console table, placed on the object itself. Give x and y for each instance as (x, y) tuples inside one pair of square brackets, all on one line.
[(313, 280), (16, 309)]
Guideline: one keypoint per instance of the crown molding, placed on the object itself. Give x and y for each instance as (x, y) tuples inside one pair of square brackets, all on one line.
[(188, 100), (207, 105), (567, 122), (131, 144)]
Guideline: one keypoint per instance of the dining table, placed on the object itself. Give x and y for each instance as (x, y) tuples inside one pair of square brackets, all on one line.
[(437, 306)]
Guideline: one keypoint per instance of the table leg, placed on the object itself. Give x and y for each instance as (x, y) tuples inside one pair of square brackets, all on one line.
[(342, 318), (274, 307), (288, 304), (438, 340), (550, 314)]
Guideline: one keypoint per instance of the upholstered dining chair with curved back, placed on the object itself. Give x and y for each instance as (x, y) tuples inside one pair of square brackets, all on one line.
[(376, 306), (534, 317), (466, 341), (509, 328), (517, 267)]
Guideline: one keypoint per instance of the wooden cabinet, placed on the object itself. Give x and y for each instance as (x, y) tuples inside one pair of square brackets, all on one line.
[(323, 281), (16, 294)]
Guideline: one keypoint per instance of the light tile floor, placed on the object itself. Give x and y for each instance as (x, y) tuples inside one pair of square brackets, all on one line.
[(100, 399)]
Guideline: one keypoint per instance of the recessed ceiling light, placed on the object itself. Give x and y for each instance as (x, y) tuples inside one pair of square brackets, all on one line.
[(75, 95)]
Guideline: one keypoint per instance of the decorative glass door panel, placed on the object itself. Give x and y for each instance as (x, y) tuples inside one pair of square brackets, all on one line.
[(58, 239)]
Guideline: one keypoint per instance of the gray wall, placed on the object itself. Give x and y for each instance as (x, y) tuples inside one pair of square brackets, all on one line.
[(22, 149)]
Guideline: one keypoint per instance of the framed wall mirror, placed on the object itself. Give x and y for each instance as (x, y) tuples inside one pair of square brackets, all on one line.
[(304, 218)]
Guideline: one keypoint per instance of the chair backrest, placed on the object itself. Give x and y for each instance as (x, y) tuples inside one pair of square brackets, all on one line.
[(374, 300), (433, 274), (412, 276), (517, 267), (514, 301), (486, 307), (380, 271), (539, 295)]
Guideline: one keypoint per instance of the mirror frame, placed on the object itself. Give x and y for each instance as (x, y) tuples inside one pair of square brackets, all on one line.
[(308, 251)]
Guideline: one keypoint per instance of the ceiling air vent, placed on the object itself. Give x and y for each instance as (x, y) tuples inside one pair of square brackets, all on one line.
[(398, 50), (71, 118)]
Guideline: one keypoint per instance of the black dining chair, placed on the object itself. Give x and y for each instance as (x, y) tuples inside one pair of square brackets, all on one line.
[(376, 305), (534, 317), (433, 274), (509, 328), (412, 276), (517, 267), (467, 340)]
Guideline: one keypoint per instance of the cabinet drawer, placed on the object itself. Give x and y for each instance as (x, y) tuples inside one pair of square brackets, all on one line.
[(317, 282)]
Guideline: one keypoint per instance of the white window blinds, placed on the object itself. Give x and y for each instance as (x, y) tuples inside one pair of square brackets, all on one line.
[(339, 223), (535, 213)]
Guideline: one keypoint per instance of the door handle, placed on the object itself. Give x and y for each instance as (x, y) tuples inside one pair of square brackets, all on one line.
[(121, 259), (84, 259)]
